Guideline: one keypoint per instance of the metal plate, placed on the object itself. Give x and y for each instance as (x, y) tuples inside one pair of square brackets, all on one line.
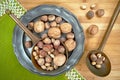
[(19, 38)]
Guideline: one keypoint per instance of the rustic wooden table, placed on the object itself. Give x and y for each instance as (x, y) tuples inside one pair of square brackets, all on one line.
[(112, 48)]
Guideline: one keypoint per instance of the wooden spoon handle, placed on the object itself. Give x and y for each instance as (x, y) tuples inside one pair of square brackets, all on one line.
[(110, 26), (23, 27)]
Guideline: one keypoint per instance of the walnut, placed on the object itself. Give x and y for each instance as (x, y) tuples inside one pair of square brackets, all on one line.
[(66, 27), (39, 26), (70, 44), (54, 32)]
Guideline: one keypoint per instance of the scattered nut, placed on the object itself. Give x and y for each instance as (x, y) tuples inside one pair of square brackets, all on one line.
[(100, 12), (44, 18), (58, 19), (70, 44), (93, 6), (66, 27), (28, 44), (90, 14), (53, 24), (92, 29), (83, 7), (39, 26), (70, 35), (59, 59), (51, 17), (54, 32)]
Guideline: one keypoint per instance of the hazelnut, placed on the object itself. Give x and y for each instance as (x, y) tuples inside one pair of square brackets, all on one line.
[(99, 61), (70, 44), (103, 58), (48, 59), (66, 27), (34, 53), (93, 6), (59, 59), (30, 26), (47, 64), (51, 17), (62, 39), (39, 26), (99, 55), (100, 12), (90, 14), (83, 7), (36, 57), (93, 63), (98, 66), (61, 49), (55, 52), (43, 67), (44, 18), (40, 44), (58, 19), (47, 40), (54, 32), (93, 57), (43, 53), (93, 29), (56, 42), (44, 36), (47, 25), (53, 24), (70, 35), (36, 48), (52, 55), (50, 68), (41, 61), (47, 47), (28, 44)]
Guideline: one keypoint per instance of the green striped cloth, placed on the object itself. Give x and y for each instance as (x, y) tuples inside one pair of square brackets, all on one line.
[(9, 65)]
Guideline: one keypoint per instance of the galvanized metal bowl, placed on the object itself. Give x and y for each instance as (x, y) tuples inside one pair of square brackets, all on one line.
[(19, 37)]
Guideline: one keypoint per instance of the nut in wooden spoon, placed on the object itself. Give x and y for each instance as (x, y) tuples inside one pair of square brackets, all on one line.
[(97, 61), (41, 55)]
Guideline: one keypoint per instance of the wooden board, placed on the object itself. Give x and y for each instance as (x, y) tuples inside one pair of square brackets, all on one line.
[(112, 48)]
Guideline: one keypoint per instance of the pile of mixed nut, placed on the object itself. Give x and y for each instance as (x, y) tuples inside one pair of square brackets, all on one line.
[(49, 52)]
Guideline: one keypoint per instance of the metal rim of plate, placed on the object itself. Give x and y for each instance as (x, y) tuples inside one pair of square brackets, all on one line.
[(18, 38)]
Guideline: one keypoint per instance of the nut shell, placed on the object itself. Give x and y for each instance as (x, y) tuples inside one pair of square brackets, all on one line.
[(70, 44), (59, 59), (54, 32), (39, 26), (66, 27)]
